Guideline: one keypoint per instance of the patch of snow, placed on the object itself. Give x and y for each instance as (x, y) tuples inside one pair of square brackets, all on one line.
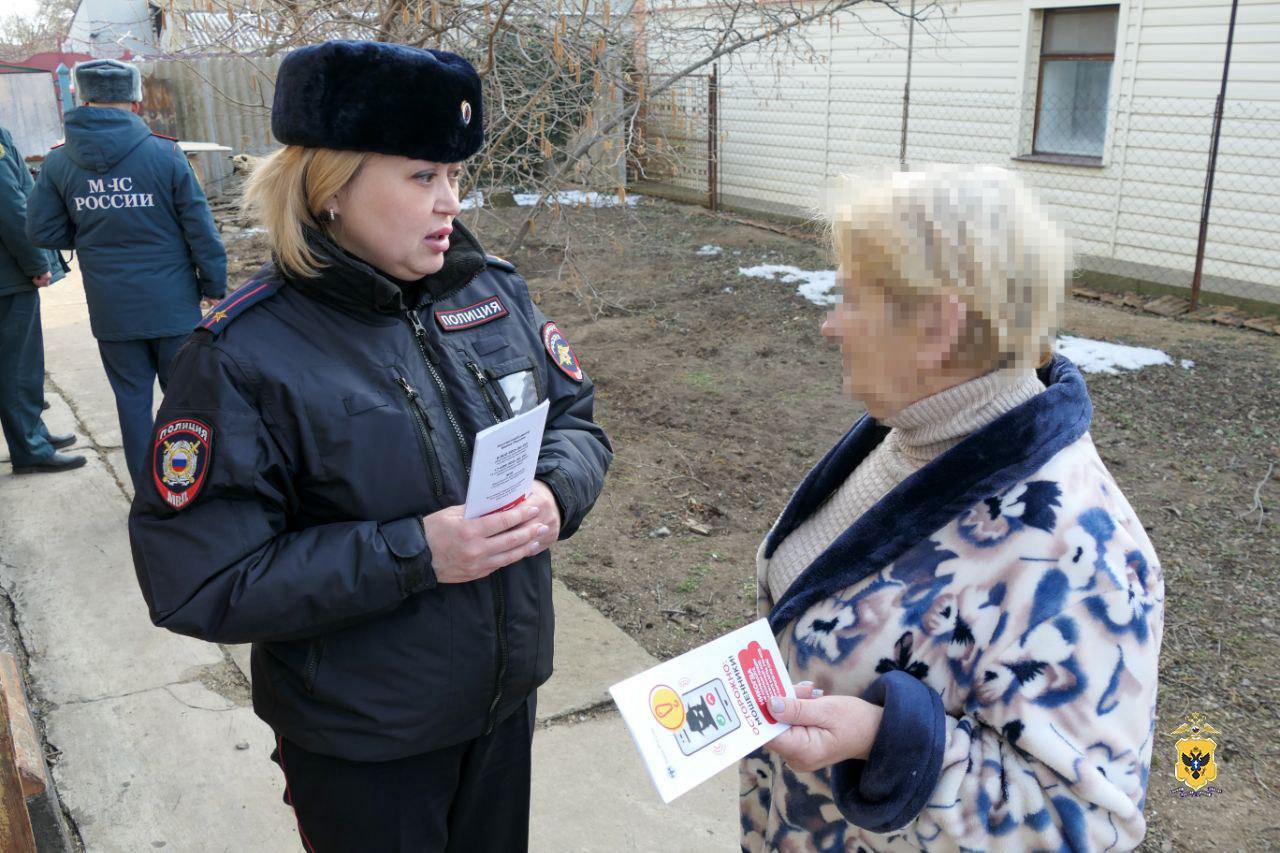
[(240, 233), (576, 198), (818, 286), (566, 198), (727, 290), (1187, 364), (709, 251), (1103, 357)]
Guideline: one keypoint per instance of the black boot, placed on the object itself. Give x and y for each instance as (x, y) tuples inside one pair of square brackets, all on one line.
[(61, 441), (56, 462)]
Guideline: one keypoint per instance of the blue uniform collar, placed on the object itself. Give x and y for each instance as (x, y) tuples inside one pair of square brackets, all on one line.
[(990, 461), (356, 287)]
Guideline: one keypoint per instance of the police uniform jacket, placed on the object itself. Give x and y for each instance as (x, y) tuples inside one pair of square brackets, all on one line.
[(20, 260), (308, 426), (127, 201)]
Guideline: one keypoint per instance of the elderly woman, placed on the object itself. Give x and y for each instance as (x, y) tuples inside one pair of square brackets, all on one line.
[(972, 602), (311, 459)]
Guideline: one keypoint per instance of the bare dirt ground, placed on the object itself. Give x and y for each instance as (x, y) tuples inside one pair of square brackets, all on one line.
[(719, 395)]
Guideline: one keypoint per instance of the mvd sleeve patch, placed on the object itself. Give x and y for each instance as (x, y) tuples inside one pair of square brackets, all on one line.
[(561, 353), (180, 460)]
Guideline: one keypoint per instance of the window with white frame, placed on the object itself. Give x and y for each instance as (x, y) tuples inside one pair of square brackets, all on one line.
[(1077, 51)]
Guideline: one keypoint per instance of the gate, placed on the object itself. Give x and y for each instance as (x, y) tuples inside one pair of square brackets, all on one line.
[(29, 109), (675, 149)]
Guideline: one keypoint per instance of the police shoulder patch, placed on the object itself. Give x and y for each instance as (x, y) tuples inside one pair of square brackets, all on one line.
[(562, 355), (495, 261), (180, 460), (236, 303)]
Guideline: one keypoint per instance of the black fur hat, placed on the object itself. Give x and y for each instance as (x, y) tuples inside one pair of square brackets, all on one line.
[(373, 96)]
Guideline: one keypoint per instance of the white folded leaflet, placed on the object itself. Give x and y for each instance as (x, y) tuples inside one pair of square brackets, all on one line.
[(701, 712), (503, 462)]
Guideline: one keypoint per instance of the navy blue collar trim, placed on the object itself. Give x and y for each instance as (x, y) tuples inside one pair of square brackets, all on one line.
[(990, 461)]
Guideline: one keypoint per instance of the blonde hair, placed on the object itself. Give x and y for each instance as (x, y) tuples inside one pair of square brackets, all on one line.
[(975, 232), (287, 192)]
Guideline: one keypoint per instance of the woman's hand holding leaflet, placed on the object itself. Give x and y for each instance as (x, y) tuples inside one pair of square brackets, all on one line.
[(825, 730), (543, 498), (464, 550)]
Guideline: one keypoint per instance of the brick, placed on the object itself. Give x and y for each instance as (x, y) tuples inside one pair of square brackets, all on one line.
[(1203, 314), (1168, 306)]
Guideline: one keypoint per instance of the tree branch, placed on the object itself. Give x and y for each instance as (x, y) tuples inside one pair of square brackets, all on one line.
[(724, 48)]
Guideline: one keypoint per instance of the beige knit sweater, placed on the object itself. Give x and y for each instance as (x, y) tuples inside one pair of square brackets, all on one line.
[(918, 433)]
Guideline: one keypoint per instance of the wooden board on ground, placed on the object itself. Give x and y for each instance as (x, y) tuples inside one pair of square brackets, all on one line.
[(15, 823)]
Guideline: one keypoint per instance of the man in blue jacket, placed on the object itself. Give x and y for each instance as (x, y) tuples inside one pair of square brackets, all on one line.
[(24, 269), (128, 202)]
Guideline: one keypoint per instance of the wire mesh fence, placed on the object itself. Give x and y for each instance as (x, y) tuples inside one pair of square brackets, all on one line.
[(674, 147), (1126, 178)]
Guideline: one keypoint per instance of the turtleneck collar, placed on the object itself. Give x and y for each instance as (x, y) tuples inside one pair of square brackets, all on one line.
[(355, 286), (933, 425), (988, 462)]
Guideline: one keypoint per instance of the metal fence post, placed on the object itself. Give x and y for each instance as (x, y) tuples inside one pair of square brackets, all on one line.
[(1213, 162), (64, 87), (713, 132), (906, 88)]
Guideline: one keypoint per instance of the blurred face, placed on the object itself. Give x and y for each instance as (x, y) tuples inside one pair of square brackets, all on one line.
[(397, 214), (894, 352)]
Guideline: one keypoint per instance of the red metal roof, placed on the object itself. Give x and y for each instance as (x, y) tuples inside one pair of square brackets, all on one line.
[(49, 60)]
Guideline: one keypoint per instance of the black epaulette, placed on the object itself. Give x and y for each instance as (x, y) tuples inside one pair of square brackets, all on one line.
[(494, 261), (256, 289)]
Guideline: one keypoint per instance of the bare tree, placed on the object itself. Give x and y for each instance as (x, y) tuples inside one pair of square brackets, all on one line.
[(21, 36), (567, 82)]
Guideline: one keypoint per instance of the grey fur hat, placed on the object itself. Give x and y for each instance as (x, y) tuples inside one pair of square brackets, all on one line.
[(107, 81)]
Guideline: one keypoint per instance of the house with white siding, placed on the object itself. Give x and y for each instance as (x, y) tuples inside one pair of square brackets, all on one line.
[(149, 28), (1105, 107)]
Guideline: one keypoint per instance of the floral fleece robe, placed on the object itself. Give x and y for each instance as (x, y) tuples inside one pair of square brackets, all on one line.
[(1005, 606)]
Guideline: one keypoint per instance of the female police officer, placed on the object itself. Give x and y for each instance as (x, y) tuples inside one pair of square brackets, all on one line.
[(312, 452)]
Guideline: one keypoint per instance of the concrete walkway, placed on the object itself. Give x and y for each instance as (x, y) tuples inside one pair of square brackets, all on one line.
[(158, 745)]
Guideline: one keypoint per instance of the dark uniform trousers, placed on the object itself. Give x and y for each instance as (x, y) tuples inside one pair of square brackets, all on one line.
[(132, 368), (22, 379), (472, 797)]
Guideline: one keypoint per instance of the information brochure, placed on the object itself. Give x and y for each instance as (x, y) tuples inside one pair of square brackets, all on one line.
[(503, 462), (701, 712)]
